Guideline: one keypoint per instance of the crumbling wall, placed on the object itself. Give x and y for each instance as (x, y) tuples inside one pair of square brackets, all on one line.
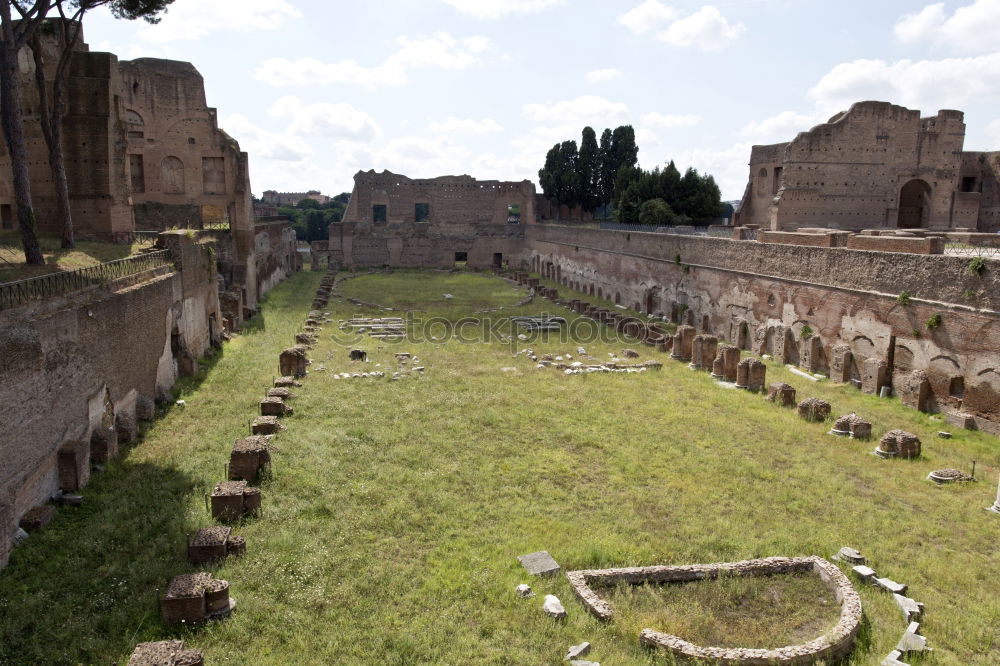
[(876, 165), (457, 213), (763, 296), (66, 358)]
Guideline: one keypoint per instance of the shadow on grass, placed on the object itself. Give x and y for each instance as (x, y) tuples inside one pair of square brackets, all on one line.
[(85, 589)]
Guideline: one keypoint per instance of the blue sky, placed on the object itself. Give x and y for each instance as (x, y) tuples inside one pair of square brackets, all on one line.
[(315, 90)]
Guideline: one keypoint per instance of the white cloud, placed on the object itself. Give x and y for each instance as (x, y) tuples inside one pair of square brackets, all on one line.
[(439, 50), (452, 125), (706, 29), (658, 121), (494, 9), (193, 19), (971, 29), (648, 16), (993, 130), (263, 144), (921, 84), (604, 75), (727, 165), (780, 127), (335, 120), (584, 110)]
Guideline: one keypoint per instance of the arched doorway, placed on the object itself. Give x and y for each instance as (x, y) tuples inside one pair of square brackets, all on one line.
[(914, 204)]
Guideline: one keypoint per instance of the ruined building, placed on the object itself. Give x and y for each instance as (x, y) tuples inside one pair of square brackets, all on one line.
[(143, 152), (399, 221), (276, 198), (83, 366), (876, 165)]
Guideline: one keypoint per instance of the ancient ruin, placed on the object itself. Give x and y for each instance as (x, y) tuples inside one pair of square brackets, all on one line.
[(194, 598), (874, 166), (833, 644)]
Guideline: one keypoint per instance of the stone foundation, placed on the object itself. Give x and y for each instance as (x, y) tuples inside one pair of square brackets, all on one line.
[(832, 645)]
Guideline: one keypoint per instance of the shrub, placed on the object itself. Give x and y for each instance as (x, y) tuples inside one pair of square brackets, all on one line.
[(933, 321), (977, 266), (903, 298), (806, 332)]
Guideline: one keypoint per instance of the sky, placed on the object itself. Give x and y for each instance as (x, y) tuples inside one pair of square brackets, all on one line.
[(316, 90)]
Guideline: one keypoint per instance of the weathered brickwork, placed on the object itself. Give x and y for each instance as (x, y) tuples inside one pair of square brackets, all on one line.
[(68, 361), (143, 151), (398, 221), (876, 165), (761, 296)]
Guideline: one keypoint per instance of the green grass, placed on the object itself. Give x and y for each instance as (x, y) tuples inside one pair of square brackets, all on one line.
[(12, 266), (396, 511), (748, 612)]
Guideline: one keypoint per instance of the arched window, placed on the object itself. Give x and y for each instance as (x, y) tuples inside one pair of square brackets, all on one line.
[(172, 175)]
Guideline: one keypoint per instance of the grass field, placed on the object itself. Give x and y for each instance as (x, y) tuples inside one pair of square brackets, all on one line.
[(396, 511), (12, 266)]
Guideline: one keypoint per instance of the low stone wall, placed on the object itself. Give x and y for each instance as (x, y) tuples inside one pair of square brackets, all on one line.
[(904, 244), (796, 238), (833, 644), (87, 366)]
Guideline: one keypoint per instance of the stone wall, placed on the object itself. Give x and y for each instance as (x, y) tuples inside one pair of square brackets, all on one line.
[(876, 165), (459, 217), (761, 295), (71, 361)]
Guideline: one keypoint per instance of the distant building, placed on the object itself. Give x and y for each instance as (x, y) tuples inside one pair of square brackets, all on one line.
[(292, 198), (876, 165)]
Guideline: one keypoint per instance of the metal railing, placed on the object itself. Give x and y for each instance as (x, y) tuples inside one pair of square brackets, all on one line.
[(13, 294), (974, 248)]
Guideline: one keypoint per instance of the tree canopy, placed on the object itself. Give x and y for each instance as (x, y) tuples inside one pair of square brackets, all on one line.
[(584, 175), (691, 197)]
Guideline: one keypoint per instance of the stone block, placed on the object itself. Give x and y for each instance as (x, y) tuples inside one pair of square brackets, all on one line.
[(915, 391), (890, 585), (286, 382), (750, 374), (811, 354), (208, 544), (782, 394), (840, 363), (193, 598), (249, 456), (814, 409), (553, 607), (727, 359), (913, 611), (273, 406), (73, 461), (37, 517), (103, 445), (232, 500), (539, 564), (703, 351), (850, 555), (293, 361), (853, 426), (266, 425), (899, 443), (282, 392), (126, 428), (873, 375), (683, 342), (866, 574)]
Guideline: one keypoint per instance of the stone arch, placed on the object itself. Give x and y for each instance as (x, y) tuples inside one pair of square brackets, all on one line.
[(902, 358), (743, 336), (862, 348), (983, 397), (914, 204), (172, 175)]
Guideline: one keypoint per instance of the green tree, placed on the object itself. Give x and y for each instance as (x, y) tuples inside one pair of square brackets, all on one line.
[(307, 204), (567, 180), (588, 170), (656, 212), (316, 228), (606, 178), (548, 176)]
